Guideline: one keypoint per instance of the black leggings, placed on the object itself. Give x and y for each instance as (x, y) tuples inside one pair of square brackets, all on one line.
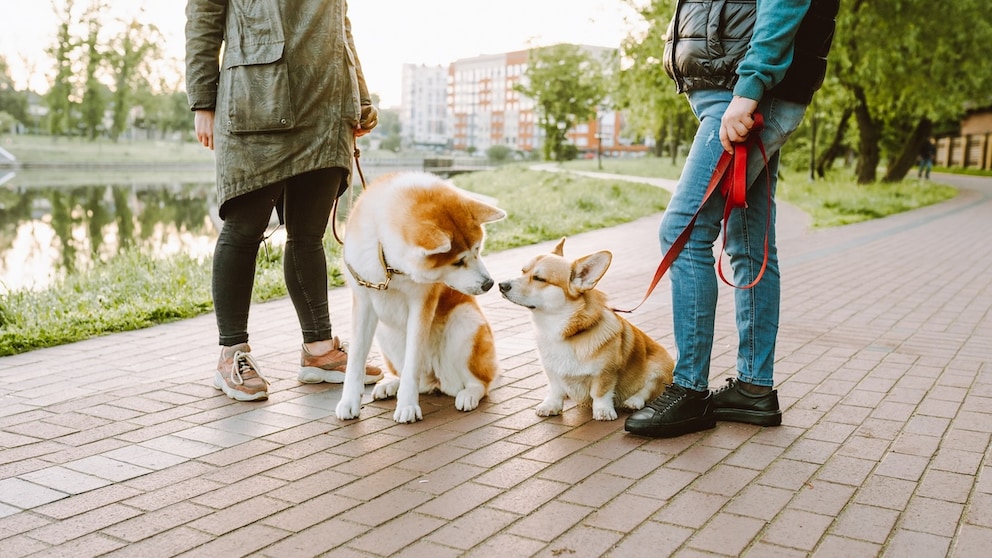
[(307, 202)]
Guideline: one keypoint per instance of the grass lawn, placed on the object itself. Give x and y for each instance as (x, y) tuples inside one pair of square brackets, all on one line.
[(134, 290)]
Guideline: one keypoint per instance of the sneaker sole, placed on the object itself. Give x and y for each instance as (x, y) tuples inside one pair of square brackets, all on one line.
[(759, 418), (220, 384), (313, 375), (673, 430)]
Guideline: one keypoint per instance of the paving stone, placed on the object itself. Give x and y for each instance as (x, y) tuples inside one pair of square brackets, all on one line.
[(882, 375)]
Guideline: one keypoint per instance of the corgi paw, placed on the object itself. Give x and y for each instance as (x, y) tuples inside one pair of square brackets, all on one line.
[(385, 388), (466, 400), (547, 409), (604, 413), (408, 413), (634, 403), (348, 408)]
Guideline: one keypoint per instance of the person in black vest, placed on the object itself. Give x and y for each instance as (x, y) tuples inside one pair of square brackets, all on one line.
[(732, 59)]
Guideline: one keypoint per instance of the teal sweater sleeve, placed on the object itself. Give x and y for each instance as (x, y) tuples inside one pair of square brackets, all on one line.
[(770, 52)]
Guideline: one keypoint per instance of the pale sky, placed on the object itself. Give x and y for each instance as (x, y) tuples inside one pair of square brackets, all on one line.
[(388, 33)]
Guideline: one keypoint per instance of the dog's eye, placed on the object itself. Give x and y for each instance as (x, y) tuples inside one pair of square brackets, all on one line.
[(539, 279), (460, 263)]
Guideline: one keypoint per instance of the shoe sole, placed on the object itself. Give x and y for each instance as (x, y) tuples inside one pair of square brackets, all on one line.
[(314, 375), (220, 384), (673, 430), (759, 418)]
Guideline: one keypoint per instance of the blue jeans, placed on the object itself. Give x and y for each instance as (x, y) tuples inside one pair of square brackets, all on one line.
[(693, 274)]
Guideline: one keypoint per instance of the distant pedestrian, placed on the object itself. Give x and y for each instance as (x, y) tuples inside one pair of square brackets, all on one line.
[(282, 108), (732, 59), (928, 152)]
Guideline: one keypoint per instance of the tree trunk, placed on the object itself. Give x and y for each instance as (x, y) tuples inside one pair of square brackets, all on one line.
[(836, 147), (868, 138), (906, 159)]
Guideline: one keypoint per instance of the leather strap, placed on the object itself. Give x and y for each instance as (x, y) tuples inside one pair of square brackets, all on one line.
[(733, 186), (334, 207)]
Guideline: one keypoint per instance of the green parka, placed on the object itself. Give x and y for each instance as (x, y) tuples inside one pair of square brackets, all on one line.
[(287, 93)]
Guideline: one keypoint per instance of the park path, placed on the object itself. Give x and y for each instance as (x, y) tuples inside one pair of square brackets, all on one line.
[(120, 446)]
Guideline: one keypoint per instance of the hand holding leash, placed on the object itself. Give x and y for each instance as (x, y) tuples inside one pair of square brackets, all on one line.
[(738, 121), (730, 175)]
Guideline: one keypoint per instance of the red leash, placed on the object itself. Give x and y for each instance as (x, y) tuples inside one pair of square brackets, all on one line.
[(733, 186)]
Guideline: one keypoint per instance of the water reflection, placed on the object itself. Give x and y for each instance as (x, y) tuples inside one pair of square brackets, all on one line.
[(51, 225), (47, 232)]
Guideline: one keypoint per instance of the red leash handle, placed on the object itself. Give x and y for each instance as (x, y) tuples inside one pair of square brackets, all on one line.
[(733, 187)]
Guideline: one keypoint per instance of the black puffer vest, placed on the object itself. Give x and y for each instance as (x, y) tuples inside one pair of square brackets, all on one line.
[(713, 36)]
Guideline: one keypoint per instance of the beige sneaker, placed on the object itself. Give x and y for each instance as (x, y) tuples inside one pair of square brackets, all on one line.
[(238, 375), (330, 367)]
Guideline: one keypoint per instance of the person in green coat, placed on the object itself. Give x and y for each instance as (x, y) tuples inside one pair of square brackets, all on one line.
[(278, 93)]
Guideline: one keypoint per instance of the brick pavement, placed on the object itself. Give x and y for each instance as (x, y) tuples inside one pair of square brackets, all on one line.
[(120, 445)]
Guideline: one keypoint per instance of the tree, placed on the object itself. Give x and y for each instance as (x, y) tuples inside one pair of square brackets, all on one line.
[(59, 95), (12, 102), (645, 91), (908, 64), (566, 84), (94, 103), (128, 57)]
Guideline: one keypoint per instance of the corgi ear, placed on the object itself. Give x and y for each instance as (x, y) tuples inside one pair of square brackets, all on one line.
[(588, 270), (486, 213), (432, 240), (560, 248)]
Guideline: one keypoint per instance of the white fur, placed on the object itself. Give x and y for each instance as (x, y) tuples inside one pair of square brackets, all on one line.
[(427, 355)]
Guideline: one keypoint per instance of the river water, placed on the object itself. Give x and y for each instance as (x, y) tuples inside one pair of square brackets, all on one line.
[(55, 224)]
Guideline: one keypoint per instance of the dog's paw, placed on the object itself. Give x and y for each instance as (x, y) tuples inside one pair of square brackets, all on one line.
[(547, 409), (466, 400), (408, 413), (386, 388), (348, 408), (634, 403), (604, 413)]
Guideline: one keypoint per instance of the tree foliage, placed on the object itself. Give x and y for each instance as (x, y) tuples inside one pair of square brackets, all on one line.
[(645, 91), (908, 64), (566, 84), (897, 69), (100, 66), (128, 57), (94, 99), (59, 96), (12, 102)]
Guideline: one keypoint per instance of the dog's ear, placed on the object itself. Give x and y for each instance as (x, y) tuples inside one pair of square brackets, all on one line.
[(588, 270), (433, 240), (560, 248), (486, 213)]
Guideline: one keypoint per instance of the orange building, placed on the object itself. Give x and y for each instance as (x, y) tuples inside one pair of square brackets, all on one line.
[(485, 110)]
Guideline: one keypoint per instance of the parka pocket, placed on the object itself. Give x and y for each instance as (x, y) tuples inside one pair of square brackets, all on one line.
[(259, 95)]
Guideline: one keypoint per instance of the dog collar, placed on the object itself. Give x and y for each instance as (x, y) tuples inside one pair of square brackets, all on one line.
[(382, 285)]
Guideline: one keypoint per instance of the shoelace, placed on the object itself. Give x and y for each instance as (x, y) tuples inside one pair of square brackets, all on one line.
[(672, 395), (244, 364), (731, 383)]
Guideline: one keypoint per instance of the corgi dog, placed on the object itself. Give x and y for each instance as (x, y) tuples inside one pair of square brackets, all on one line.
[(412, 249), (589, 353)]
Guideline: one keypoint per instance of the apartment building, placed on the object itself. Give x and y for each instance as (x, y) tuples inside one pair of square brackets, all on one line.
[(424, 107), (483, 109)]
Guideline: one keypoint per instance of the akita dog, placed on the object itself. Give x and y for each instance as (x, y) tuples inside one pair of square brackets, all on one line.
[(589, 353), (412, 249)]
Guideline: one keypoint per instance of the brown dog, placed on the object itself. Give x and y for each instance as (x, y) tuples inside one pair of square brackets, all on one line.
[(589, 352)]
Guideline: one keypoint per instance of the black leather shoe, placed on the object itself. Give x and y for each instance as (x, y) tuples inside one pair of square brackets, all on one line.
[(675, 412), (734, 404)]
